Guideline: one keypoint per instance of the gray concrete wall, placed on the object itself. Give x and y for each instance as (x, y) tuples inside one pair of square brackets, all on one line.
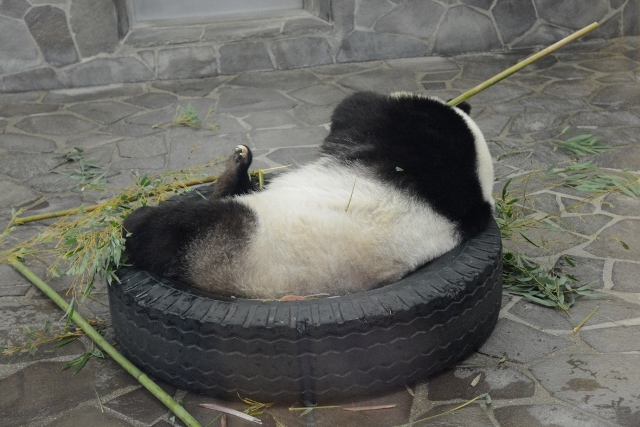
[(50, 44)]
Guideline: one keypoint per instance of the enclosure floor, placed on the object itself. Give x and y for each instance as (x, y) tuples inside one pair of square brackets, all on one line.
[(537, 370)]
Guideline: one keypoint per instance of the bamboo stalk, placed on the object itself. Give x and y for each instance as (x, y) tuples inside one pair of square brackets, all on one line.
[(108, 348), (82, 209), (520, 65)]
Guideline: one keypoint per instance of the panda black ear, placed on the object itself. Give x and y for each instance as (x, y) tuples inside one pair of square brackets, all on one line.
[(464, 106)]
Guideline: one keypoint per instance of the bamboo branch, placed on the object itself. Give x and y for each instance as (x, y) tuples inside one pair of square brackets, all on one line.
[(108, 348), (520, 65), (83, 209)]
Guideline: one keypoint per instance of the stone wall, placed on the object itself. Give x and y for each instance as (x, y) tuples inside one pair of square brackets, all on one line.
[(51, 44)]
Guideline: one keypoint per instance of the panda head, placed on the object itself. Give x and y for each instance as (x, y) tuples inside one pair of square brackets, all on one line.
[(484, 163)]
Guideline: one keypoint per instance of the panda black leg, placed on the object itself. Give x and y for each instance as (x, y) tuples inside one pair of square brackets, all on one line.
[(235, 179)]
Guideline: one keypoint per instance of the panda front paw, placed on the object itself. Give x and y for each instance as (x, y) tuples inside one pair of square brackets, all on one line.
[(242, 155), (235, 179)]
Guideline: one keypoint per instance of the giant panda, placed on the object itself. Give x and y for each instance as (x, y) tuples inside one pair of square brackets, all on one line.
[(400, 180)]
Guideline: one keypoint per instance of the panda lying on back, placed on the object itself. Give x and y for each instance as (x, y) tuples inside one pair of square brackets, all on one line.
[(401, 179)]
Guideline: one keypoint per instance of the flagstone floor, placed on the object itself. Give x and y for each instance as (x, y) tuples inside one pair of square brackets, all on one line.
[(537, 370)]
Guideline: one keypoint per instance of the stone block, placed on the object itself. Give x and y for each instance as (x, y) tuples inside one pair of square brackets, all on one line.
[(313, 114), (346, 68), (88, 93), (369, 46), (369, 11), (140, 404), (521, 343), (149, 58), (500, 382), (281, 80), (14, 8), (13, 195), (55, 124), (302, 26), (153, 100), (293, 155), (625, 276), (146, 146), (276, 138), (319, 94), (186, 62), (239, 57), (631, 19), (381, 81), (26, 143), (89, 416), (105, 71), (104, 112), (417, 18), (628, 158), (465, 30), (146, 37), (18, 51), (141, 164), (618, 96), (541, 35), (95, 25), (535, 122), (572, 14), (201, 148), (609, 28), (544, 416), (91, 141), (601, 384), (609, 243), (270, 119), (607, 118), (613, 340), (31, 397), (514, 18), (343, 15), (301, 52), (251, 99), (53, 183), (238, 31), (154, 118), (443, 68), (38, 79), (191, 87), (472, 415), (123, 17), (48, 26), (14, 110)]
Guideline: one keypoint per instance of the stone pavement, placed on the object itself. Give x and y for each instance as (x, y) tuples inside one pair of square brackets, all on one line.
[(537, 371)]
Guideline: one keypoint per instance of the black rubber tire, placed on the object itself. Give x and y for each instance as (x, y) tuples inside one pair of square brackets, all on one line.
[(318, 349)]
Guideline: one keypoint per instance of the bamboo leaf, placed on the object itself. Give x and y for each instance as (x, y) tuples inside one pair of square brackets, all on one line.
[(224, 409)]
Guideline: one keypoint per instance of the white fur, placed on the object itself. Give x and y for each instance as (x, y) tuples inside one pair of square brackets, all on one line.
[(484, 165), (308, 242)]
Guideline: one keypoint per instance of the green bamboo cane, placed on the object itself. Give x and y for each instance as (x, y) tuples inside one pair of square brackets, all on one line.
[(82, 209), (520, 65), (108, 348)]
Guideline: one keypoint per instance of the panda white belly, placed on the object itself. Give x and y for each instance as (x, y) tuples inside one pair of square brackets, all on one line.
[(328, 228)]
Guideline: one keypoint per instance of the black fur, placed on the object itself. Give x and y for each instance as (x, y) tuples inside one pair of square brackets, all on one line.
[(159, 236), (417, 144), (235, 179)]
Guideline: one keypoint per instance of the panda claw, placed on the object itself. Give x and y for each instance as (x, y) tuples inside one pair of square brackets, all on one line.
[(241, 153)]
